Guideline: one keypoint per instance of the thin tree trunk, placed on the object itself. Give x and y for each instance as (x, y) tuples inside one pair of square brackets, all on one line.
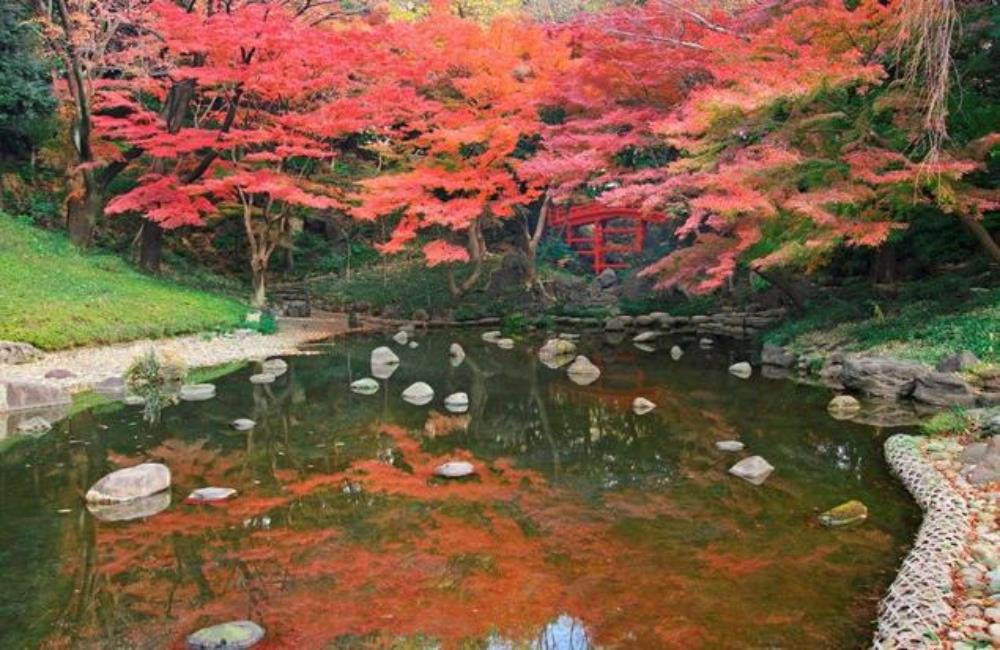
[(477, 251), (151, 247), (259, 298), (83, 212), (534, 238), (784, 285), (983, 236)]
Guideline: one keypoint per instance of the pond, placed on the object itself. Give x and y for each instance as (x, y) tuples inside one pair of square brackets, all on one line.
[(586, 525)]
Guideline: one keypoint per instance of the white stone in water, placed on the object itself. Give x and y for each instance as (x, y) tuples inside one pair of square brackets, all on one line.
[(556, 348), (276, 367), (364, 386), (130, 483), (455, 469), (843, 407), (676, 353), (243, 424), (641, 405), (492, 336), (414, 345), (134, 400), (729, 445), (706, 342), (140, 508), (401, 337), (197, 392), (210, 494), (384, 370), (457, 402), (582, 371), (645, 347), (457, 354), (262, 378), (743, 370), (645, 337), (418, 394), (505, 344), (753, 470), (384, 356), (234, 635)]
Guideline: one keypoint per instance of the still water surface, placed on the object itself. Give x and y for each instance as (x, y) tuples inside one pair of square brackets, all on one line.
[(586, 526)]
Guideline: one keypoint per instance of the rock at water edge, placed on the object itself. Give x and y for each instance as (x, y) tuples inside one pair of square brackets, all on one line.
[(364, 386), (641, 406), (130, 483), (418, 394), (753, 470), (851, 512), (455, 469), (234, 635), (743, 370)]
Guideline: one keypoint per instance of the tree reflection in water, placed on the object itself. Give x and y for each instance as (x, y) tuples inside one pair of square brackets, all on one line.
[(584, 526)]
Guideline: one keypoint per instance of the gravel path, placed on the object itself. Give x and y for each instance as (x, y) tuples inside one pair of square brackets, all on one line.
[(93, 364)]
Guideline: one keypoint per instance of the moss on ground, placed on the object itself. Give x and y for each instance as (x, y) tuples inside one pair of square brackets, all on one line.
[(54, 296)]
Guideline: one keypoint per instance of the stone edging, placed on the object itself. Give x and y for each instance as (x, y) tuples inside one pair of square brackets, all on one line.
[(918, 608)]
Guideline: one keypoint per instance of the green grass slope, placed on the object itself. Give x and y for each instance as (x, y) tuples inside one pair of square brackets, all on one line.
[(53, 296)]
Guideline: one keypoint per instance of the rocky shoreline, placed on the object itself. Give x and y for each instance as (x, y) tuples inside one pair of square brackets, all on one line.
[(947, 591)]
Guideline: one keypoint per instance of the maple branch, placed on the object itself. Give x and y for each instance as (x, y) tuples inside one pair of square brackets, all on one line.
[(657, 39), (702, 20), (210, 157)]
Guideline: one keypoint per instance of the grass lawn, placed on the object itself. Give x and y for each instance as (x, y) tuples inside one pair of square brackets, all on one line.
[(928, 320), (54, 296)]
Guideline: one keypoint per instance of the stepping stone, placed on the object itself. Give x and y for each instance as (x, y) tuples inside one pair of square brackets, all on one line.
[(364, 386), (276, 367), (645, 337), (130, 483), (492, 336), (234, 635), (505, 344), (582, 371), (706, 342), (414, 345), (134, 400), (262, 378), (743, 370), (850, 512), (729, 445), (197, 392), (384, 356), (843, 407), (457, 402), (243, 424), (457, 354), (401, 337), (645, 347), (753, 470), (210, 495), (455, 469), (141, 508), (676, 353), (641, 406), (418, 394)]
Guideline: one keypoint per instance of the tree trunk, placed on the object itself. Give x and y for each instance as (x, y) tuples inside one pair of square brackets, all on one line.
[(151, 249), (82, 212), (477, 251), (259, 298), (778, 279), (983, 236), (534, 238)]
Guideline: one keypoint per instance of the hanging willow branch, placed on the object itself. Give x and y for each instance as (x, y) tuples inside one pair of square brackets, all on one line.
[(926, 31)]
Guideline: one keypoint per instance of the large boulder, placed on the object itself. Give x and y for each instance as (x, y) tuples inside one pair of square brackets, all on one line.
[(775, 355), (753, 470), (17, 396), (881, 376), (943, 389), (14, 353), (130, 483)]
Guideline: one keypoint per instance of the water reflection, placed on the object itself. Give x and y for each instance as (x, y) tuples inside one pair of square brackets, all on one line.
[(585, 525)]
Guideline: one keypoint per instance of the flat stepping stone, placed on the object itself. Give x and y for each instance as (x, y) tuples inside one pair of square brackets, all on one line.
[(364, 386), (130, 483), (505, 344), (754, 470), (276, 367), (729, 445), (384, 356), (197, 392), (455, 469), (743, 370), (418, 394), (60, 373), (234, 635), (846, 514), (141, 508), (402, 338), (243, 424), (210, 495), (413, 345), (583, 372), (641, 406), (262, 378), (645, 347), (492, 336), (676, 353), (843, 407), (457, 402)]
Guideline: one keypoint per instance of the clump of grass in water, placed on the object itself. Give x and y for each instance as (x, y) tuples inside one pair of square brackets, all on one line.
[(157, 380), (947, 422)]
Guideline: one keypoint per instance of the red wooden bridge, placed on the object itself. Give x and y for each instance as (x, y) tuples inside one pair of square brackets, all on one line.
[(603, 233)]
